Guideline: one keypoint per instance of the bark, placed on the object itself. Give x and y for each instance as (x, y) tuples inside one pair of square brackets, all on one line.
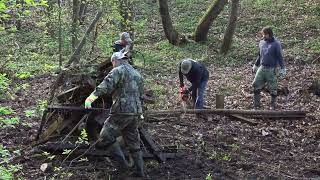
[(201, 32), (227, 40), (172, 35)]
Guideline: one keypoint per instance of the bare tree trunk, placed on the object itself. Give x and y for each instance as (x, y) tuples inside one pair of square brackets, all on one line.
[(82, 12), (227, 39), (18, 18), (60, 35), (201, 32), (127, 13), (75, 24), (75, 55), (172, 35)]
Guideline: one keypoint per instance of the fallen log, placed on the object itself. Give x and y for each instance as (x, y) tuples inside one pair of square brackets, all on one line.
[(280, 114)]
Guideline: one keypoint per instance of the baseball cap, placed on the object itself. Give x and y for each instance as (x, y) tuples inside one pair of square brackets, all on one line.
[(186, 66), (125, 36)]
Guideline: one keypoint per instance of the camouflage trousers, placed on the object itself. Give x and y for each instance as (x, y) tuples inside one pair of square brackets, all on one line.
[(117, 125), (265, 75)]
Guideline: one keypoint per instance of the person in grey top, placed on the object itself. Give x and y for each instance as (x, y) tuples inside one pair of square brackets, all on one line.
[(270, 55)]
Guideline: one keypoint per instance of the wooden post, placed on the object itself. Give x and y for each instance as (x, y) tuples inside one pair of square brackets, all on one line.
[(219, 101)]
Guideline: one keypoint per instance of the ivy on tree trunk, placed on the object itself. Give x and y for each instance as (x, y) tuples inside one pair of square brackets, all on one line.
[(227, 39), (201, 32)]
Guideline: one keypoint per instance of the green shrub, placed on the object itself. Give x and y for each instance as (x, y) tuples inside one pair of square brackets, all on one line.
[(4, 85)]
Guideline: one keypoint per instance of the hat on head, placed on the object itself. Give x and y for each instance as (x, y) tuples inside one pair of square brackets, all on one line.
[(118, 56), (125, 36), (186, 65)]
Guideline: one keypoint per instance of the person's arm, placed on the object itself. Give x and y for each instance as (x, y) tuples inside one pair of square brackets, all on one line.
[(258, 61), (197, 74), (105, 87), (141, 90), (279, 55), (109, 83), (180, 77)]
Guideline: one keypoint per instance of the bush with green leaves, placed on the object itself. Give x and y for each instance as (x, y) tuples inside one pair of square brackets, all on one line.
[(4, 85), (7, 169)]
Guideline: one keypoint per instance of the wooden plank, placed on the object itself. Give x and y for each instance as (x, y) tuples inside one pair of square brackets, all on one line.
[(243, 119), (146, 138), (52, 128)]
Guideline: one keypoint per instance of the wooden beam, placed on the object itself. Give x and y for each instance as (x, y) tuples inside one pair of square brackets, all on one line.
[(146, 138), (290, 113)]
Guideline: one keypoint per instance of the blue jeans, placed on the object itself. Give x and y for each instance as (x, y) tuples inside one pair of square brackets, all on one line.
[(200, 94)]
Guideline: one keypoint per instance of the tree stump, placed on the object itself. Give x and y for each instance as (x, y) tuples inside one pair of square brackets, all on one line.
[(219, 101)]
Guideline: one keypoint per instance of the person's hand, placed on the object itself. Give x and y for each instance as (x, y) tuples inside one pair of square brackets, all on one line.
[(282, 73), (89, 101), (184, 93), (254, 68)]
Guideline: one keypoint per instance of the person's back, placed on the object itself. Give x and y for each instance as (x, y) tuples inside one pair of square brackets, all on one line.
[(129, 90)]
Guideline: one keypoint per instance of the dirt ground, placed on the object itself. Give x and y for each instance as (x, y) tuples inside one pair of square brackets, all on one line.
[(219, 146)]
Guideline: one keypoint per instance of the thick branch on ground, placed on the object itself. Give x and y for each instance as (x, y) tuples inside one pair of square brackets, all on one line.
[(201, 32), (172, 35), (75, 56), (227, 39), (229, 112)]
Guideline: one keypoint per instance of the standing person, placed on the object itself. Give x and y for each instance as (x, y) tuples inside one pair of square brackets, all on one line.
[(198, 75), (126, 86), (270, 55), (124, 44)]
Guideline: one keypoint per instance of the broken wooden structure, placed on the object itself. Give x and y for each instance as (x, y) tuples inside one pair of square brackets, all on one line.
[(64, 119)]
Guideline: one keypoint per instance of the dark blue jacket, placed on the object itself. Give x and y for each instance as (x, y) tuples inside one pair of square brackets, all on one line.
[(196, 75), (270, 53)]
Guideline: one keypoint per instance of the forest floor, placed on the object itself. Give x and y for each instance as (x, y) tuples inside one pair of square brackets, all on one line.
[(214, 147)]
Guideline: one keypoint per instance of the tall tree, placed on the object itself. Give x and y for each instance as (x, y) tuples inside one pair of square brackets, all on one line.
[(82, 12), (172, 34), (127, 14), (75, 23), (201, 31), (227, 39)]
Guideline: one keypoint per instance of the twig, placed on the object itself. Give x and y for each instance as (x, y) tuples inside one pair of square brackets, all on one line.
[(84, 118), (318, 58), (84, 152)]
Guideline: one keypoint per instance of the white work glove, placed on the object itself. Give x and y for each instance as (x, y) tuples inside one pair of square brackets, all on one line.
[(254, 68), (282, 73), (89, 101)]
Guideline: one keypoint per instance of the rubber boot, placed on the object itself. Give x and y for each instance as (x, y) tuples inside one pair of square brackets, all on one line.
[(116, 151), (273, 102), (256, 100), (138, 162)]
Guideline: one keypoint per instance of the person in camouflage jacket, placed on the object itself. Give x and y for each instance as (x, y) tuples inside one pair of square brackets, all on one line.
[(126, 86)]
